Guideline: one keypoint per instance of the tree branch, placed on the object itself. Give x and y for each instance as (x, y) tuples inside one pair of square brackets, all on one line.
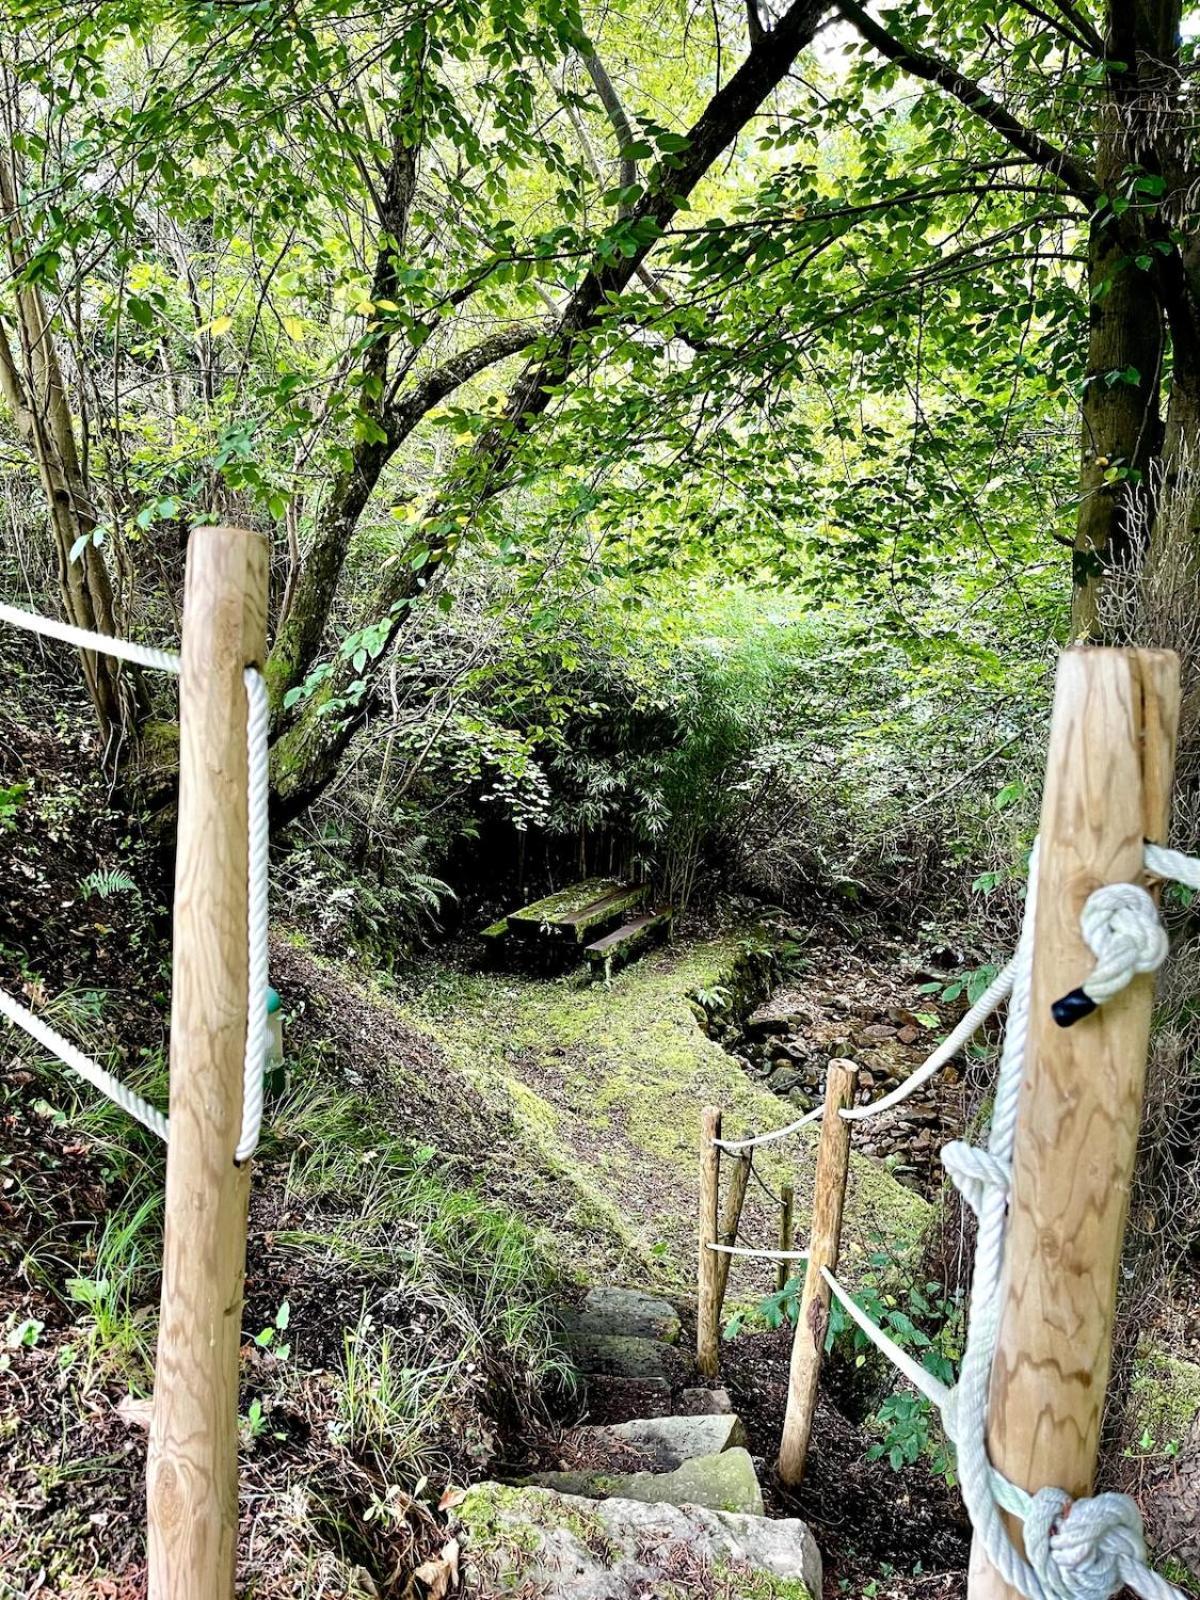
[(308, 755), (301, 631), (1070, 171)]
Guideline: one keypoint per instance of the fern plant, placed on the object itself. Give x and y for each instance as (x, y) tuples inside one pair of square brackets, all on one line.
[(105, 881)]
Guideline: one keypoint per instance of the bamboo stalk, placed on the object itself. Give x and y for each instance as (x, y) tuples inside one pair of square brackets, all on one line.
[(829, 1194), (1108, 779), (192, 1497), (787, 1217)]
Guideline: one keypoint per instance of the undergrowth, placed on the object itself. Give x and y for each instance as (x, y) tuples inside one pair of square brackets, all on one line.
[(394, 1316)]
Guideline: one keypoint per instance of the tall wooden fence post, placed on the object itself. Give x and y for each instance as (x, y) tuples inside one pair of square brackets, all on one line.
[(192, 1469), (787, 1217), (1109, 771), (735, 1199), (829, 1194), (707, 1312)]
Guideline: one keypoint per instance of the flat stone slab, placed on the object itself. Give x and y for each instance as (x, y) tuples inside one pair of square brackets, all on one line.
[(623, 1313), (610, 1356), (725, 1482), (671, 1440), (559, 1547)]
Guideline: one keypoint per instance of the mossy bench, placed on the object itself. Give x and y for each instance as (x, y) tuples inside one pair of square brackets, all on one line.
[(605, 955), (571, 916)]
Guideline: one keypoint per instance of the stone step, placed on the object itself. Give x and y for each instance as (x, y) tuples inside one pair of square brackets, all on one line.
[(658, 1444), (532, 1541), (624, 1313), (611, 1355), (724, 1482)]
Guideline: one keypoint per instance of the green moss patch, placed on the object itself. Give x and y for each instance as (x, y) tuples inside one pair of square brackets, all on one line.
[(609, 1085), (1164, 1395)]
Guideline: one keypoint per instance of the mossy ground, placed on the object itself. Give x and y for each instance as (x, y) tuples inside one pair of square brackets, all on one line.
[(1165, 1395), (609, 1084)]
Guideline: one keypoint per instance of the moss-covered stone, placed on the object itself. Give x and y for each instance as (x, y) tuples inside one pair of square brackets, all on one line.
[(564, 1548), (724, 1482)]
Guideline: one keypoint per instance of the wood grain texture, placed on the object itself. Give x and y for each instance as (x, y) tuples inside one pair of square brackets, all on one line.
[(192, 1466), (1108, 779), (824, 1247), (731, 1218), (707, 1311)]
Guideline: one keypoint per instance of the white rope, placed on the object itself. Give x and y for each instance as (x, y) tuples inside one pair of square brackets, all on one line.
[(142, 655), (932, 1388), (764, 1255), (1085, 1549), (258, 717), (258, 872), (87, 1069), (732, 1146)]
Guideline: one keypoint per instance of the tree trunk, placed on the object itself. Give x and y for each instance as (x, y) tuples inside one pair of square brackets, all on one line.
[(34, 386), (1121, 425)]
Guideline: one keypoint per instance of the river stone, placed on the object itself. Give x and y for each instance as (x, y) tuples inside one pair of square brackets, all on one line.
[(559, 1547), (622, 1313), (725, 1482), (784, 1079), (669, 1441), (610, 1356), (778, 1017), (705, 1402)]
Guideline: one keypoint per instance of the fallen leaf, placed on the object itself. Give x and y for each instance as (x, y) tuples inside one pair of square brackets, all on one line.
[(438, 1576), (452, 1497), (134, 1412)]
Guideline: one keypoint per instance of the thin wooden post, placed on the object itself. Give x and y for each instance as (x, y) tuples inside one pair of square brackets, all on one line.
[(1109, 770), (829, 1194), (787, 1218), (707, 1310), (731, 1218), (192, 1469)]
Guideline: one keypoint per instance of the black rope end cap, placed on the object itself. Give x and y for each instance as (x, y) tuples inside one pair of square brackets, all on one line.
[(1072, 1008)]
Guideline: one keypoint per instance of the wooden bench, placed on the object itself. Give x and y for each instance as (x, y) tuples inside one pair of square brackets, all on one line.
[(624, 943), (571, 916)]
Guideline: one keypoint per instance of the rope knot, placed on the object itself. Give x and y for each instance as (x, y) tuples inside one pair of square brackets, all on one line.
[(1120, 924), (1084, 1549), (973, 1172)]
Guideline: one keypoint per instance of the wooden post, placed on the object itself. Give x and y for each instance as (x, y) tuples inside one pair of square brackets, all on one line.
[(192, 1467), (787, 1215), (829, 1194), (735, 1199), (1109, 771), (707, 1311)]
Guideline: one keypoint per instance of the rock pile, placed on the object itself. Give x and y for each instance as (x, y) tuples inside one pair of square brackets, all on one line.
[(788, 1041)]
